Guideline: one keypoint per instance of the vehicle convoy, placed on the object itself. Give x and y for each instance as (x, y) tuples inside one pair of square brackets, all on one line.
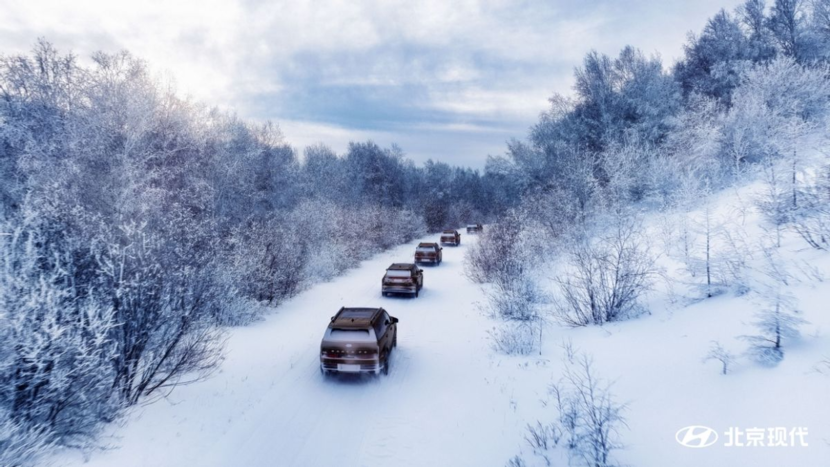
[(359, 340), (429, 253), (451, 237), (406, 278), (475, 228)]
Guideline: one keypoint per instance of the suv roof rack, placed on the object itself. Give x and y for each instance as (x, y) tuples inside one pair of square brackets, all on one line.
[(355, 317)]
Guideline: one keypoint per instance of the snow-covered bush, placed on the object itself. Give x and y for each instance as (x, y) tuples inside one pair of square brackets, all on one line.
[(269, 258), (56, 375), (516, 337), (720, 354), (606, 276), (775, 202), (589, 418), (516, 461), (504, 257), (812, 217), (21, 446), (498, 254)]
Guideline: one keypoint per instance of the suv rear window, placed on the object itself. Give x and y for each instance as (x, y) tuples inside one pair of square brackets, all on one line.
[(398, 273), (426, 249), (351, 335)]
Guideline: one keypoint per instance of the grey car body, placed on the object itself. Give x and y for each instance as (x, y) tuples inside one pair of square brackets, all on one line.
[(402, 278), (358, 340)]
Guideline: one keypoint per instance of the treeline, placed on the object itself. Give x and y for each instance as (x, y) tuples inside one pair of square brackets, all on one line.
[(750, 95), (135, 224)]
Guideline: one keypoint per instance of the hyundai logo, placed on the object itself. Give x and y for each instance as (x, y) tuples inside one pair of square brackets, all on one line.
[(696, 436)]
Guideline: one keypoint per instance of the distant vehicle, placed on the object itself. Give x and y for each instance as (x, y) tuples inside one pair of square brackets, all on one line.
[(451, 237), (359, 340), (429, 253), (402, 278), (475, 228)]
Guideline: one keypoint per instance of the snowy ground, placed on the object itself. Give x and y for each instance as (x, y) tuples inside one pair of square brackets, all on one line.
[(449, 400)]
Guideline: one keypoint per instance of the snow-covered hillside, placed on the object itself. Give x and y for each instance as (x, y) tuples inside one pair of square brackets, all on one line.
[(451, 400)]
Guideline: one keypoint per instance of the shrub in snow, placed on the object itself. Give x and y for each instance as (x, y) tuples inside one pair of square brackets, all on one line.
[(56, 347), (515, 337), (776, 323), (514, 298), (775, 202), (589, 419), (542, 438), (718, 353), (269, 257), (605, 277), (21, 446), (165, 306), (498, 255), (812, 218)]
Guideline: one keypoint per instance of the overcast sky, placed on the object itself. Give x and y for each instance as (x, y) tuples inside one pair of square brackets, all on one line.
[(447, 79)]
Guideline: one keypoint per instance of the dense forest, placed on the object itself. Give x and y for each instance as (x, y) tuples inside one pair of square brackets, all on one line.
[(135, 225)]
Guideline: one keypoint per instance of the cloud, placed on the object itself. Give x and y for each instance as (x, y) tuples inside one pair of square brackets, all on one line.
[(417, 72)]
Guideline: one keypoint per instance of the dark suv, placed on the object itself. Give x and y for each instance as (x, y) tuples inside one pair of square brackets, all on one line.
[(429, 253), (475, 228), (451, 237), (402, 278), (359, 340)]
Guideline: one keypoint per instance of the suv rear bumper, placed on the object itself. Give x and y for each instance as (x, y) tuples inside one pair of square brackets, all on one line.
[(399, 289), (330, 365), (426, 259), (449, 242)]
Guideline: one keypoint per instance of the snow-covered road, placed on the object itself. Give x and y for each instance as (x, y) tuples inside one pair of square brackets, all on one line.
[(270, 406)]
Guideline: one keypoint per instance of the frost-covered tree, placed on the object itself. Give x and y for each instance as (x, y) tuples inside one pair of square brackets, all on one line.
[(714, 60), (752, 15), (606, 276), (788, 23), (777, 323)]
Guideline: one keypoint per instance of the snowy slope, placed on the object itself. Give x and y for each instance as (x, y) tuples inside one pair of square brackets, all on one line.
[(450, 400)]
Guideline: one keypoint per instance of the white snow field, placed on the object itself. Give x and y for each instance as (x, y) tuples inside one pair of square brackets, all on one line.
[(450, 400)]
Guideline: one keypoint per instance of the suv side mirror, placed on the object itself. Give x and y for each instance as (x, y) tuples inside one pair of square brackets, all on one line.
[(394, 320), (332, 319)]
